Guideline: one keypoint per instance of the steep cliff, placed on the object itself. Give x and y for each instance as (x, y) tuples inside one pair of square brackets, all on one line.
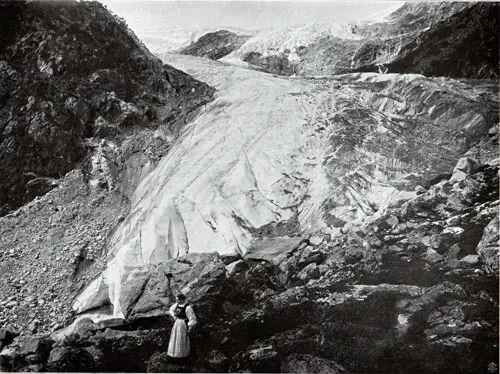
[(463, 45)]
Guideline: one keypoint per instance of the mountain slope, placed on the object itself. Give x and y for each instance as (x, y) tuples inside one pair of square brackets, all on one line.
[(467, 43), (86, 111), (417, 38), (70, 71)]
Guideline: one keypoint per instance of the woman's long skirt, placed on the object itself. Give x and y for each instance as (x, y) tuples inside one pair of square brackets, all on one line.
[(178, 345)]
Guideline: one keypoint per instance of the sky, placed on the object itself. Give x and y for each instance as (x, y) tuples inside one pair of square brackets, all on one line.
[(153, 17)]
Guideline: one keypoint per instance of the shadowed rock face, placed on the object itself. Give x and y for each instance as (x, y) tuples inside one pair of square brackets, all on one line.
[(215, 45), (70, 71)]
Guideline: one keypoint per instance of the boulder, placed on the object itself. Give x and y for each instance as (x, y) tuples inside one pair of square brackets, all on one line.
[(235, 267), (310, 255), (67, 359), (7, 335), (25, 351), (419, 190), (273, 250), (465, 167), (487, 247), (311, 271), (471, 259)]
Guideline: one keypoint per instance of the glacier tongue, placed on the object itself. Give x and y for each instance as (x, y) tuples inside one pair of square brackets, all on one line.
[(320, 152)]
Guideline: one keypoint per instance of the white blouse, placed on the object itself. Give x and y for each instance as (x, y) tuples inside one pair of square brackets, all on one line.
[(189, 313)]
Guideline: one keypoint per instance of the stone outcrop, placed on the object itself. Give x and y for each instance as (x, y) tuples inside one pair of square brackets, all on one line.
[(215, 45)]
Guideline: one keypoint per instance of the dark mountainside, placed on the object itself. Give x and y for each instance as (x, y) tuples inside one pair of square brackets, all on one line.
[(70, 72), (462, 46), (215, 45), (412, 289)]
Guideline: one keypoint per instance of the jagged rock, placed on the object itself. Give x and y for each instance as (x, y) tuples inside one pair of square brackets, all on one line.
[(7, 335), (432, 256), (304, 363), (478, 23), (80, 329), (419, 190), (465, 166), (273, 250), (471, 259), (310, 255), (311, 271), (315, 240), (235, 267)]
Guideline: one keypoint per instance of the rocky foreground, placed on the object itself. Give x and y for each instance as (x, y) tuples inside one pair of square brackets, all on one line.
[(337, 224), (415, 290)]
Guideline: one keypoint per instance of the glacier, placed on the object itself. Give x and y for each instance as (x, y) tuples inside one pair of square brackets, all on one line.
[(320, 154)]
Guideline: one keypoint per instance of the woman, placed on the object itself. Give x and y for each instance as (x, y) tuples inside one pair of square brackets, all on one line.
[(184, 322)]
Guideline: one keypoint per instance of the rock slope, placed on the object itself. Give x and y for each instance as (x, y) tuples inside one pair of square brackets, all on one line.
[(70, 71), (467, 43)]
